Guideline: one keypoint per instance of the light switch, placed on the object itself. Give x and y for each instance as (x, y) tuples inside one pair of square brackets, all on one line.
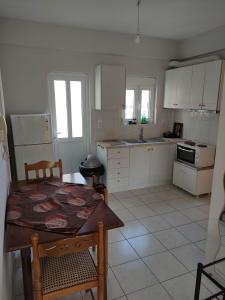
[(99, 124)]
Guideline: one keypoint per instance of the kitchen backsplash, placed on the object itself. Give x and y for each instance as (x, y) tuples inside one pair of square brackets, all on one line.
[(198, 126)]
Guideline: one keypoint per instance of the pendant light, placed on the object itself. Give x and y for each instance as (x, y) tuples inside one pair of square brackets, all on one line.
[(138, 35)]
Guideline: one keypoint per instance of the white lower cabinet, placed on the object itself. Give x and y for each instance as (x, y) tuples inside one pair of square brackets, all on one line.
[(193, 180), (137, 166)]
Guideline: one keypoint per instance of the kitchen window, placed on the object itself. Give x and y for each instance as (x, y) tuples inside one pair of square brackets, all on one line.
[(140, 100)]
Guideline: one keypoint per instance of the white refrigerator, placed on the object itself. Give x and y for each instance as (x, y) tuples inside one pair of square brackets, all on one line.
[(32, 138)]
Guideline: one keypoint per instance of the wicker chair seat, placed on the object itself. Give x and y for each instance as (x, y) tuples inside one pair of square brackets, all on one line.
[(66, 271)]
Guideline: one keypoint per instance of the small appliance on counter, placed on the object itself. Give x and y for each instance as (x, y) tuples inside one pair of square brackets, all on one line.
[(176, 133), (91, 166), (198, 155)]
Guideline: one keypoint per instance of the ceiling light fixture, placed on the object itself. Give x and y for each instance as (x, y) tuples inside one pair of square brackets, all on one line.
[(138, 35)]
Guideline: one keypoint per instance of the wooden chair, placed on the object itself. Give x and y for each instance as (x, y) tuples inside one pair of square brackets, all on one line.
[(64, 267), (44, 166)]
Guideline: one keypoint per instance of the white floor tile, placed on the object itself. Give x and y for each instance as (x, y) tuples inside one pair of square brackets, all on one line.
[(131, 202), (203, 224), (195, 214), (121, 252), (114, 289), (176, 218), (182, 288), (181, 203), (125, 215), (115, 204), (201, 245), (133, 229), (161, 207), (142, 211), (155, 223), (171, 238), (124, 194), (167, 195), (76, 296), (134, 276), (138, 192), (115, 235), (156, 292), (189, 255), (149, 198), (146, 245), (193, 232), (165, 266)]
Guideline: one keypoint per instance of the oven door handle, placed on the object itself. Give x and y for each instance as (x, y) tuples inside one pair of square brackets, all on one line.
[(186, 150)]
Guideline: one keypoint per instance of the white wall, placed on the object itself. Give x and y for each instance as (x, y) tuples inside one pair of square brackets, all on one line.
[(5, 259), (30, 51), (197, 127), (208, 42)]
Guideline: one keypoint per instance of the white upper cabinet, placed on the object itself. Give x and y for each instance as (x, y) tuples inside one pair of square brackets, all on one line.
[(193, 87), (177, 88), (183, 87), (110, 86), (197, 86), (211, 86), (170, 91)]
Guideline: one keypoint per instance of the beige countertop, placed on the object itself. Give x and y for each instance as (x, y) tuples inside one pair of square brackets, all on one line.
[(122, 144)]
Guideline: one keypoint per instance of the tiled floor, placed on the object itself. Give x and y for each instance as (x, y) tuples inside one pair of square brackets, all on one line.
[(154, 256)]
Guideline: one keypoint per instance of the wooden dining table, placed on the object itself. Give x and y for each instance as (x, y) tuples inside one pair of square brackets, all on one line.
[(19, 237)]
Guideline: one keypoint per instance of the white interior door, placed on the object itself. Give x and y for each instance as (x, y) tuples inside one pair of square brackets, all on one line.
[(70, 119)]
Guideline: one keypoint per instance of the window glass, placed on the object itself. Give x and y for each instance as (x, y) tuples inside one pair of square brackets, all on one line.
[(129, 112), (145, 101), (61, 108), (140, 99), (76, 108)]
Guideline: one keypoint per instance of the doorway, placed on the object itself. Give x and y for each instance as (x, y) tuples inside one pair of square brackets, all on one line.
[(70, 118)]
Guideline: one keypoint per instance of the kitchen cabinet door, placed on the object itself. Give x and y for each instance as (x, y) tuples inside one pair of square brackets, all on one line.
[(183, 87), (139, 167), (161, 159), (110, 86), (197, 86), (170, 89), (211, 86)]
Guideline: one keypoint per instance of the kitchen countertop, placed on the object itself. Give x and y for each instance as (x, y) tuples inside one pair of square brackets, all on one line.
[(122, 144)]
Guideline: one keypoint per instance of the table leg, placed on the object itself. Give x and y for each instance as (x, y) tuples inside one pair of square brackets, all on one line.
[(27, 274), (106, 262)]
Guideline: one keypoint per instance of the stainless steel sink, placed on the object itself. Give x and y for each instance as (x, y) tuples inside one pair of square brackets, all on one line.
[(155, 140), (135, 141)]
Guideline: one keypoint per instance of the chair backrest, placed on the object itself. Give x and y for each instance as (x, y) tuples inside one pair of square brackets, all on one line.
[(43, 166), (65, 247)]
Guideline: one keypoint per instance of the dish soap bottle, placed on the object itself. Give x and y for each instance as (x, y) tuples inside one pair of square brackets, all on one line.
[(144, 119)]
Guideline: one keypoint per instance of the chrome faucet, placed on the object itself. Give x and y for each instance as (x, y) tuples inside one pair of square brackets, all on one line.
[(141, 134)]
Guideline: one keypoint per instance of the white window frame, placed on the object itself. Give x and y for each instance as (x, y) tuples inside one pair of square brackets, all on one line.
[(138, 84), (67, 77)]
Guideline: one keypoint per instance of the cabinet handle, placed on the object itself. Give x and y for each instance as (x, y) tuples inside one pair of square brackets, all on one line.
[(118, 152), (175, 104), (203, 105), (118, 173), (118, 163)]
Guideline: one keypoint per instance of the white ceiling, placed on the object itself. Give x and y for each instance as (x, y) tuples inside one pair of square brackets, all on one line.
[(175, 19)]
